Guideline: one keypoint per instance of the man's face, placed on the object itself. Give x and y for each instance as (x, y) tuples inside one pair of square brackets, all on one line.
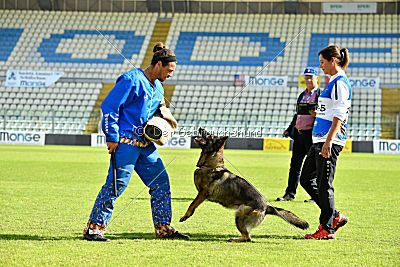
[(311, 81), (167, 71)]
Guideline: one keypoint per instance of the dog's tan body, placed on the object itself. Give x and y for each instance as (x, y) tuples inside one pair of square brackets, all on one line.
[(217, 184)]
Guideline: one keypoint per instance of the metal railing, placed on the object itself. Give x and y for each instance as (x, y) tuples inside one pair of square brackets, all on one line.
[(47, 120)]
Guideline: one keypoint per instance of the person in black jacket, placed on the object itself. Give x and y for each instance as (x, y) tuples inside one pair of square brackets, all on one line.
[(300, 130)]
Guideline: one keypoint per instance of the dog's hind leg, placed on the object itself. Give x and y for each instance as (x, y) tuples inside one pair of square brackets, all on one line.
[(246, 218)]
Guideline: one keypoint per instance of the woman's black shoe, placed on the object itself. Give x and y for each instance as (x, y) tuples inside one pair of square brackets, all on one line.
[(95, 237), (177, 235)]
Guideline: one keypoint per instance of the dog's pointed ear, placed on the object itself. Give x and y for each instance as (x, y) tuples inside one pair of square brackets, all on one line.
[(221, 141), (203, 133), (224, 138)]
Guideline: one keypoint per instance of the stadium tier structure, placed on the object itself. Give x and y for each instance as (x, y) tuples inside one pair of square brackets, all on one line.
[(211, 49)]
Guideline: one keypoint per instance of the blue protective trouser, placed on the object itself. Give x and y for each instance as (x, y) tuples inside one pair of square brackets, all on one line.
[(148, 165)]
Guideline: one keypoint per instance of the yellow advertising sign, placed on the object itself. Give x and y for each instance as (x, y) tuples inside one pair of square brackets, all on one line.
[(348, 147), (276, 144), (302, 82), (283, 144)]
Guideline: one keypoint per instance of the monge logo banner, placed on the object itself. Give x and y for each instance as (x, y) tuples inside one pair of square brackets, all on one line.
[(22, 138), (98, 140), (386, 146), (177, 142), (31, 78), (269, 81), (364, 82)]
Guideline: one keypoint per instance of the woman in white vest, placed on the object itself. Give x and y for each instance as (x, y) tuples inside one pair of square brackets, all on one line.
[(329, 138)]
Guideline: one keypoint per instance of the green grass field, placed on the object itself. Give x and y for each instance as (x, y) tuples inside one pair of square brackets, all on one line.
[(46, 195)]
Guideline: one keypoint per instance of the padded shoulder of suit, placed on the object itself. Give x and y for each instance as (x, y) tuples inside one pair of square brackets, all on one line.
[(132, 74)]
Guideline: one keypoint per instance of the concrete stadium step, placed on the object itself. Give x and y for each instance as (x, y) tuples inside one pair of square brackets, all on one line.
[(390, 108), (160, 34), (168, 92)]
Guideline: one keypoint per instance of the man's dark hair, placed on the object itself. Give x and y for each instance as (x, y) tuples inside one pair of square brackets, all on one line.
[(162, 54)]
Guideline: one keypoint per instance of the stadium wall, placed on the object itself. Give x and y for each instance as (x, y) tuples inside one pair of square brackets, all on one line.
[(69, 140), (199, 6)]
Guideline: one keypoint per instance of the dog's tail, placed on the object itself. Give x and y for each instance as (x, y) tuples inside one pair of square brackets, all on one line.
[(287, 216)]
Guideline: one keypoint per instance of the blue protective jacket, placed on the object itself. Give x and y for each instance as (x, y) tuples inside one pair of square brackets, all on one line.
[(129, 105)]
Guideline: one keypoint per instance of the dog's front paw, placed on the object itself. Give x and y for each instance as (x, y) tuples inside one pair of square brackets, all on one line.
[(184, 218)]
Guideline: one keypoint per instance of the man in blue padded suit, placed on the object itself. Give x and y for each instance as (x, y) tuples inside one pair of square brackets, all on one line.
[(131, 103)]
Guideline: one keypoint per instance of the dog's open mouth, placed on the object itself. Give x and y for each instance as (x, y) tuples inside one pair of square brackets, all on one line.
[(200, 140)]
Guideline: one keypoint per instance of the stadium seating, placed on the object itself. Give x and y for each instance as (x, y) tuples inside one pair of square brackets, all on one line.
[(211, 49), (267, 111), (71, 42), (75, 42), (214, 48), (33, 109)]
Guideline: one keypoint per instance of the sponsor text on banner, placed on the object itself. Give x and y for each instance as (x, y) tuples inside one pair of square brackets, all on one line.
[(22, 138)]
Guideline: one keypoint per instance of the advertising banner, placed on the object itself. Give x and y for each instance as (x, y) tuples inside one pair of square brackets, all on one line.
[(266, 81), (31, 78), (98, 140), (364, 82), (341, 7), (270, 81), (386, 146), (276, 144), (176, 142), (22, 138), (348, 148)]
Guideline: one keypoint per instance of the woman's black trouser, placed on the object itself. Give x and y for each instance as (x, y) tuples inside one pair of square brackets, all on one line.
[(317, 177)]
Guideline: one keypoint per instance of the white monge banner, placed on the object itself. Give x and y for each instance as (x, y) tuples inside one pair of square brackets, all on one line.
[(364, 82), (270, 81), (349, 7), (98, 140), (386, 146), (22, 138), (32, 78), (176, 142)]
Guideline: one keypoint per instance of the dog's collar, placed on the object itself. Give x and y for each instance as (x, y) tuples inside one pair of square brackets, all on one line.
[(218, 169)]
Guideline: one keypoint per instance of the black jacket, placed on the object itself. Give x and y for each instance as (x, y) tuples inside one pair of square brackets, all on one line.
[(291, 127)]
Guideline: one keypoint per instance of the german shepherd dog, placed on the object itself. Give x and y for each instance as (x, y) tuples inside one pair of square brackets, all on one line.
[(217, 184)]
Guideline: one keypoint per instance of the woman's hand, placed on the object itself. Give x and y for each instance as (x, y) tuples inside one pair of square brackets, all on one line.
[(112, 146), (285, 133), (313, 113), (326, 149)]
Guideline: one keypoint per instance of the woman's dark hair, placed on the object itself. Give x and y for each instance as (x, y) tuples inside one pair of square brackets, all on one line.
[(162, 54), (341, 55)]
